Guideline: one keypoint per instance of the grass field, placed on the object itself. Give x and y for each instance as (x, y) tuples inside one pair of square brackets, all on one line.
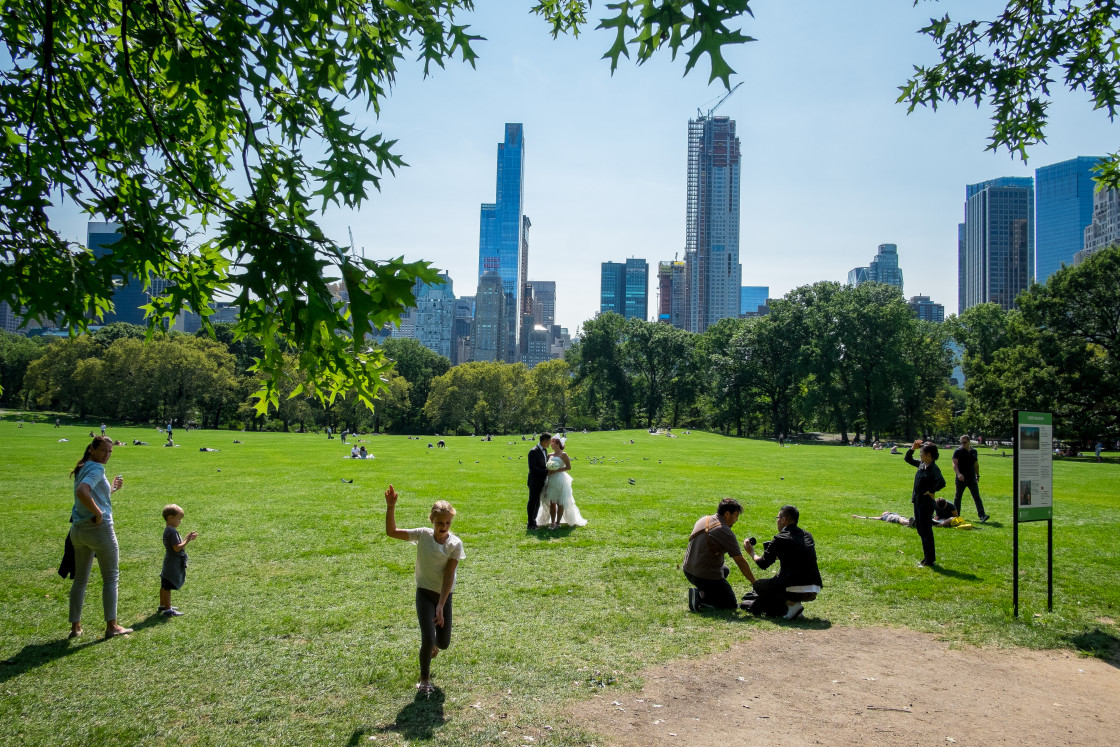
[(300, 627)]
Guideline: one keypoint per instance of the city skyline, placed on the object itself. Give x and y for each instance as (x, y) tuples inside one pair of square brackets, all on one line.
[(832, 166)]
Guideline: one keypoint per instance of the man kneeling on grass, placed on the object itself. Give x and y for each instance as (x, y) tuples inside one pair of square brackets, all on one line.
[(798, 579), (703, 566)]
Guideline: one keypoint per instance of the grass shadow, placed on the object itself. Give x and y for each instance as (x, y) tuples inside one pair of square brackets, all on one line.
[(416, 721), (959, 575), (35, 655), (737, 616), (1099, 644)]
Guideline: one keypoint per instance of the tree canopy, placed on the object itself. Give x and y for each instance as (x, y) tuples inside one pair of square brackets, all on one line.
[(189, 123), (1012, 62)]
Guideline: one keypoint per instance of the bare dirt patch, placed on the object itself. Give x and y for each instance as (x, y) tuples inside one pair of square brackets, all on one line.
[(863, 686)]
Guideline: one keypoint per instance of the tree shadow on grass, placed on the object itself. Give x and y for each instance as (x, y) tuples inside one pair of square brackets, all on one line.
[(1099, 644), (416, 721), (959, 575), (35, 655)]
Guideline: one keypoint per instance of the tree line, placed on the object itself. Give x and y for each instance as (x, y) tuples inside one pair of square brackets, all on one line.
[(828, 357)]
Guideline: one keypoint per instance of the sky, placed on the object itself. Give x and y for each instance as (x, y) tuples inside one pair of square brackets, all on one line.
[(831, 165)]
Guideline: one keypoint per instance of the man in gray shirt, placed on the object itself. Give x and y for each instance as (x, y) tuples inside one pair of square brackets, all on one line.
[(703, 566)]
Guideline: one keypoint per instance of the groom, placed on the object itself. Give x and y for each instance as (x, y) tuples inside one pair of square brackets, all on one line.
[(538, 458)]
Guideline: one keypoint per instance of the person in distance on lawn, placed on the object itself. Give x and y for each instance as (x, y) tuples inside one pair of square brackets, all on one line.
[(174, 572), (538, 474), (966, 468), (798, 579), (703, 566), (438, 553)]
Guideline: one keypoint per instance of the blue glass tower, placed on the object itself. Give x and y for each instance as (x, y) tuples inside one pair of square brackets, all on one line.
[(500, 233), (612, 288), (129, 294), (998, 257), (1063, 208), (752, 298), (636, 289)]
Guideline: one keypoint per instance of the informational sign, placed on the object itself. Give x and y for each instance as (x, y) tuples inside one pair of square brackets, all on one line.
[(1034, 471)]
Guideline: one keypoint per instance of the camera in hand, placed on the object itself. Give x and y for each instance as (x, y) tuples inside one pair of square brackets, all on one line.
[(751, 540)]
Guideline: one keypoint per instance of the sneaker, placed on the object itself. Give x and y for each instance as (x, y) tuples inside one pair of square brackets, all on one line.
[(171, 612), (984, 518), (693, 599), (795, 611)]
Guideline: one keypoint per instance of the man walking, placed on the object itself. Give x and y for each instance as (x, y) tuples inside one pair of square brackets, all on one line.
[(966, 467), (538, 458)]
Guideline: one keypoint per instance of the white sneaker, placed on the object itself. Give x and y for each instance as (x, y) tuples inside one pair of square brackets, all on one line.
[(794, 611)]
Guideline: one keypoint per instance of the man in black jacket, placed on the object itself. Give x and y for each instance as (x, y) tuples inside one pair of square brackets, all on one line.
[(538, 458), (798, 578)]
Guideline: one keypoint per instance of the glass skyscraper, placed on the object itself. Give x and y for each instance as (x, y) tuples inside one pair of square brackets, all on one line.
[(624, 288), (712, 221), (129, 294), (883, 269), (612, 288), (998, 258), (501, 224), (1063, 209), (752, 298)]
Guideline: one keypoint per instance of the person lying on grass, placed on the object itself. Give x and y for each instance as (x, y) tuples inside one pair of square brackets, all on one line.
[(438, 553)]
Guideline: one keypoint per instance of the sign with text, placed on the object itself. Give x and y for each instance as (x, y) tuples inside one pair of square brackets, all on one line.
[(1034, 471)]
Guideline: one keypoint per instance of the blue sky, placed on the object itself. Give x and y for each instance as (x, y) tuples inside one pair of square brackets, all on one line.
[(831, 167)]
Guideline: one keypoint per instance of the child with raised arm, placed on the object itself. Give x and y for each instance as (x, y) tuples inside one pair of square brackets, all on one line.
[(174, 572), (438, 553)]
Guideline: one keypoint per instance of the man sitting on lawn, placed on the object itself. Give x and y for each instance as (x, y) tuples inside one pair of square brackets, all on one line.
[(703, 566), (798, 579)]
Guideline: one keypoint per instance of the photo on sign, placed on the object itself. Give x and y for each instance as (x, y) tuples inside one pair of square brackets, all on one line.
[(1029, 438), (1025, 492)]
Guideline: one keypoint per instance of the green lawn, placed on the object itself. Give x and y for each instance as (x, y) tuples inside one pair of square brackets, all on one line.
[(300, 626)]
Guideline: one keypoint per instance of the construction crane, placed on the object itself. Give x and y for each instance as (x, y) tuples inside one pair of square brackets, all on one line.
[(700, 112)]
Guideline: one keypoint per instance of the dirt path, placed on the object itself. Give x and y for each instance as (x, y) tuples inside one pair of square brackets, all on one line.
[(864, 686)]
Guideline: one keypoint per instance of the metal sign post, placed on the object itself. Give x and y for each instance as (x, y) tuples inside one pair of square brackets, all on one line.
[(1032, 491)]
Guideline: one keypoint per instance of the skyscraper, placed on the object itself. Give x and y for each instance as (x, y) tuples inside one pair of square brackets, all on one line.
[(501, 239), (636, 289), (1104, 231), (752, 298), (543, 294), (712, 221), (461, 330), (489, 333), (999, 240), (435, 316), (960, 267), (1063, 209), (883, 269), (612, 288), (672, 293), (129, 294), (624, 288)]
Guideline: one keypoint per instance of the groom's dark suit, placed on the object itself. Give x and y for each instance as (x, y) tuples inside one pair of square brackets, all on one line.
[(537, 474)]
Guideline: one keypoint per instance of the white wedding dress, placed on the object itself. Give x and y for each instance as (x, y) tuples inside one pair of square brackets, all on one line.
[(558, 489)]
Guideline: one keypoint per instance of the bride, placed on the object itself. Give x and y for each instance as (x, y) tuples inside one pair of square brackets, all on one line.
[(557, 504)]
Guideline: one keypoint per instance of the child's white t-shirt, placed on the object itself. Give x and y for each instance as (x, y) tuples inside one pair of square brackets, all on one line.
[(432, 557)]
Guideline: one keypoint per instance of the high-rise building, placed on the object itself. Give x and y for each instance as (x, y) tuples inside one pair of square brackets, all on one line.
[(9, 318), (752, 298), (624, 288), (926, 309), (883, 269), (712, 221), (999, 240), (1104, 230), (501, 239), (636, 289), (543, 295), (490, 331), (539, 347), (1063, 210), (461, 330), (129, 294), (672, 293), (435, 316), (612, 288), (960, 267)]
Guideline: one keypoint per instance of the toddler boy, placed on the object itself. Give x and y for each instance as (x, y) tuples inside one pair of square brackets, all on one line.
[(174, 572)]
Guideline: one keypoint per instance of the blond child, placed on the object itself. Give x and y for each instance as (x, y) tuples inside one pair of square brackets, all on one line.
[(438, 553), (174, 573)]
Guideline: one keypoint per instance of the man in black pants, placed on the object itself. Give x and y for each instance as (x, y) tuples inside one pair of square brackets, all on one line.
[(966, 466), (798, 579), (538, 458), (703, 566)]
